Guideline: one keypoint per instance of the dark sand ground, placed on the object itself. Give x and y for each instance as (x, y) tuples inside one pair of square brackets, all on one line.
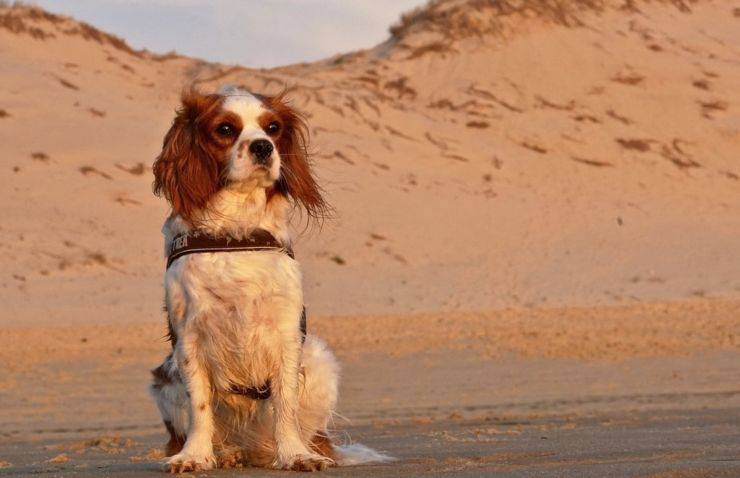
[(675, 443), (446, 411)]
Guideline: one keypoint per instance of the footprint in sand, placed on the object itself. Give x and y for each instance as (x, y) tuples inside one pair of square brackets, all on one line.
[(39, 156), (628, 78), (90, 170), (622, 119), (533, 147), (124, 200), (137, 170), (68, 84), (592, 162), (710, 108), (641, 145)]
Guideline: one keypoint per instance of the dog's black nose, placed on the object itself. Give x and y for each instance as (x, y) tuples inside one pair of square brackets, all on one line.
[(261, 149)]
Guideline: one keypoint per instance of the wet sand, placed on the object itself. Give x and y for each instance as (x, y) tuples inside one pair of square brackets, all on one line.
[(679, 443), (461, 406)]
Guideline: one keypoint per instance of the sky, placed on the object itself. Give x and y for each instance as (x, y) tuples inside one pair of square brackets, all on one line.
[(254, 33)]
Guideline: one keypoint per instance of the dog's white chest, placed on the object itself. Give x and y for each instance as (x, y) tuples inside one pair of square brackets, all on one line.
[(240, 304)]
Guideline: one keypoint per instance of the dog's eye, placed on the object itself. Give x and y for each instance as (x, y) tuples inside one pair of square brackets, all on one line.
[(273, 128), (225, 129)]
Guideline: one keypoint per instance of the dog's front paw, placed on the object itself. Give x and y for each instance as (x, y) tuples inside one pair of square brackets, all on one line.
[(185, 461), (306, 462), (230, 458)]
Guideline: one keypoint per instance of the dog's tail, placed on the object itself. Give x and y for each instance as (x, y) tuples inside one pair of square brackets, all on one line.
[(357, 454)]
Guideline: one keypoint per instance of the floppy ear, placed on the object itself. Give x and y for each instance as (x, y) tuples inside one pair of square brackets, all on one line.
[(296, 176), (184, 172)]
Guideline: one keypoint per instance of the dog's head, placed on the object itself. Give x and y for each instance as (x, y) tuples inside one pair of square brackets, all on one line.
[(235, 136)]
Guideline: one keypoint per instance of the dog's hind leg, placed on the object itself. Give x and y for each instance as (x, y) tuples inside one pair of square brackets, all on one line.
[(318, 391), (318, 398), (171, 397)]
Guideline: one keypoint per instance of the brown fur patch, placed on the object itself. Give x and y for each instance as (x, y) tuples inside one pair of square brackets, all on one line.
[(176, 442), (161, 378), (171, 333), (322, 445), (296, 176), (190, 168)]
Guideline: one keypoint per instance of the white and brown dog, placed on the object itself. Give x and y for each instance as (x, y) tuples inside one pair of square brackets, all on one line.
[(242, 383)]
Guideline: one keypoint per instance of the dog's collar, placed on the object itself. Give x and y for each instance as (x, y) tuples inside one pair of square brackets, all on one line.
[(192, 243)]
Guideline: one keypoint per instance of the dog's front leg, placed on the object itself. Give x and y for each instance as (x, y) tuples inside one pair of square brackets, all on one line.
[(291, 451), (197, 453)]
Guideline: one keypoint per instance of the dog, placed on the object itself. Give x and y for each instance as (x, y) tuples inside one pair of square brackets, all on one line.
[(243, 383)]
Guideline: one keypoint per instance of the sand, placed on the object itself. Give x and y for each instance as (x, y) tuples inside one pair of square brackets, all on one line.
[(627, 389), (541, 165), (536, 225)]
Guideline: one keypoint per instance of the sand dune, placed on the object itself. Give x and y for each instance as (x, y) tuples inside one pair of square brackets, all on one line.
[(480, 158)]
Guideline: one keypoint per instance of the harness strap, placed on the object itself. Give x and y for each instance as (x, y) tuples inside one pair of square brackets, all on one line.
[(258, 240), (262, 393)]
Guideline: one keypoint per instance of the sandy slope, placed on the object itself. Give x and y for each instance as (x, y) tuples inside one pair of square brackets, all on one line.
[(534, 163)]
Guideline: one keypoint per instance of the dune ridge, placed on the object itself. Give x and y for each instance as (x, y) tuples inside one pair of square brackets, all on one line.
[(584, 156)]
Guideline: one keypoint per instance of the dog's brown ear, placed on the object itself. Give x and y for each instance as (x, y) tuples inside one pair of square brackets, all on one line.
[(185, 173), (297, 179)]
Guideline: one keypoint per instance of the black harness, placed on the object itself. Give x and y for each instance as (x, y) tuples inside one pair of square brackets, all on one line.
[(258, 240)]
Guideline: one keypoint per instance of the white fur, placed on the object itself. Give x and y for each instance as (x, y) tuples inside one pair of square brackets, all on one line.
[(236, 317), (358, 454)]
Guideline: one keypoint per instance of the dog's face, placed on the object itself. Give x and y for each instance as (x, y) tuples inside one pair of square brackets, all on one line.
[(235, 137), (249, 132)]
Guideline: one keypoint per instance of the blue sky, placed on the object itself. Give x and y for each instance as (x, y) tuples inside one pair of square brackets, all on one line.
[(256, 33)]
